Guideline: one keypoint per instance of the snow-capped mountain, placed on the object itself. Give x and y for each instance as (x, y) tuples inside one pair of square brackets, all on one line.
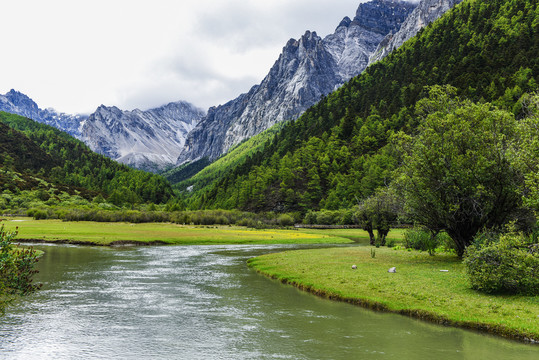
[(306, 70), (426, 12), (149, 140), (15, 102)]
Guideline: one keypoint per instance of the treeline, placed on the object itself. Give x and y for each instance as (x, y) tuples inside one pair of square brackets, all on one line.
[(338, 150), (200, 217), (34, 150)]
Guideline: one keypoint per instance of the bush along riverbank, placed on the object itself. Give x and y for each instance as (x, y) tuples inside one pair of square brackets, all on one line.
[(432, 288), (16, 269)]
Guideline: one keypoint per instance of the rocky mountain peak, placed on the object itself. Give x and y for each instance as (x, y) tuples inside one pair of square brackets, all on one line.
[(107, 114), (106, 109), (307, 41), (22, 101), (426, 12), (306, 70), (150, 140), (345, 22), (382, 16), (15, 102)]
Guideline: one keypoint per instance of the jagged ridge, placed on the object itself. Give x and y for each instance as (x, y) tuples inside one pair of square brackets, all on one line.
[(426, 12), (149, 140), (15, 102), (306, 70)]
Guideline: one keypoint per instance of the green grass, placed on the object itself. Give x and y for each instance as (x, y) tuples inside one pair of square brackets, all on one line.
[(356, 235), (418, 288), (107, 233)]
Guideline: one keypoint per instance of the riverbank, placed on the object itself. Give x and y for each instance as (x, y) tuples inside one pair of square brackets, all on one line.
[(419, 288), (118, 234)]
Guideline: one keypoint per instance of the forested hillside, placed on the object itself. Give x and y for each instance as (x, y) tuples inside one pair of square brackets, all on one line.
[(37, 156), (338, 153)]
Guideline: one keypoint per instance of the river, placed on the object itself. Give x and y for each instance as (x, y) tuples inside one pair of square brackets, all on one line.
[(203, 302)]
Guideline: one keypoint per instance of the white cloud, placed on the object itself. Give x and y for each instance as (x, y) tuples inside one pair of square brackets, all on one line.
[(75, 55)]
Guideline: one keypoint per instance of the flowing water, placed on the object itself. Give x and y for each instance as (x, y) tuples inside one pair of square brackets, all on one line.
[(203, 302)]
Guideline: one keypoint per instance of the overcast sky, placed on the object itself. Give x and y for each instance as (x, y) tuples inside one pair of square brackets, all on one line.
[(74, 55)]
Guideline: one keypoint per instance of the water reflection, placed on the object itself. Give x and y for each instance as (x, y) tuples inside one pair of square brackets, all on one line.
[(202, 302)]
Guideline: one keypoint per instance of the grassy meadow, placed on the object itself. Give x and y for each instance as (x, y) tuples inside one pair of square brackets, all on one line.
[(98, 233), (419, 288)]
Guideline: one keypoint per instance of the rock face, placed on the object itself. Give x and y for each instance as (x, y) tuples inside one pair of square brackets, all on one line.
[(18, 103), (149, 140), (306, 70), (426, 12)]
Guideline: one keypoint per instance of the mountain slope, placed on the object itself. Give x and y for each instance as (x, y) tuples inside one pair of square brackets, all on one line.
[(21, 153), (18, 103), (150, 140), (184, 178), (306, 70), (48, 155), (337, 152)]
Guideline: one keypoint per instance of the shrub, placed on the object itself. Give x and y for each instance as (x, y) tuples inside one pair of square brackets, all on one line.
[(43, 195), (40, 214), (285, 220), (181, 217), (508, 265), (420, 239), (16, 268), (99, 199), (330, 217), (390, 242), (221, 220), (347, 217), (310, 218), (247, 222), (326, 217)]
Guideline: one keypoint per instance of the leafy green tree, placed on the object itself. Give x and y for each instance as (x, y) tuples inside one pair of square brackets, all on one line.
[(387, 208), (364, 218), (116, 198), (8, 162), (456, 174), (16, 268), (379, 212), (526, 156), (98, 199)]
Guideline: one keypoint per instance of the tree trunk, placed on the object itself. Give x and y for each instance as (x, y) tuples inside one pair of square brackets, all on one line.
[(461, 241), (382, 235), (371, 236)]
